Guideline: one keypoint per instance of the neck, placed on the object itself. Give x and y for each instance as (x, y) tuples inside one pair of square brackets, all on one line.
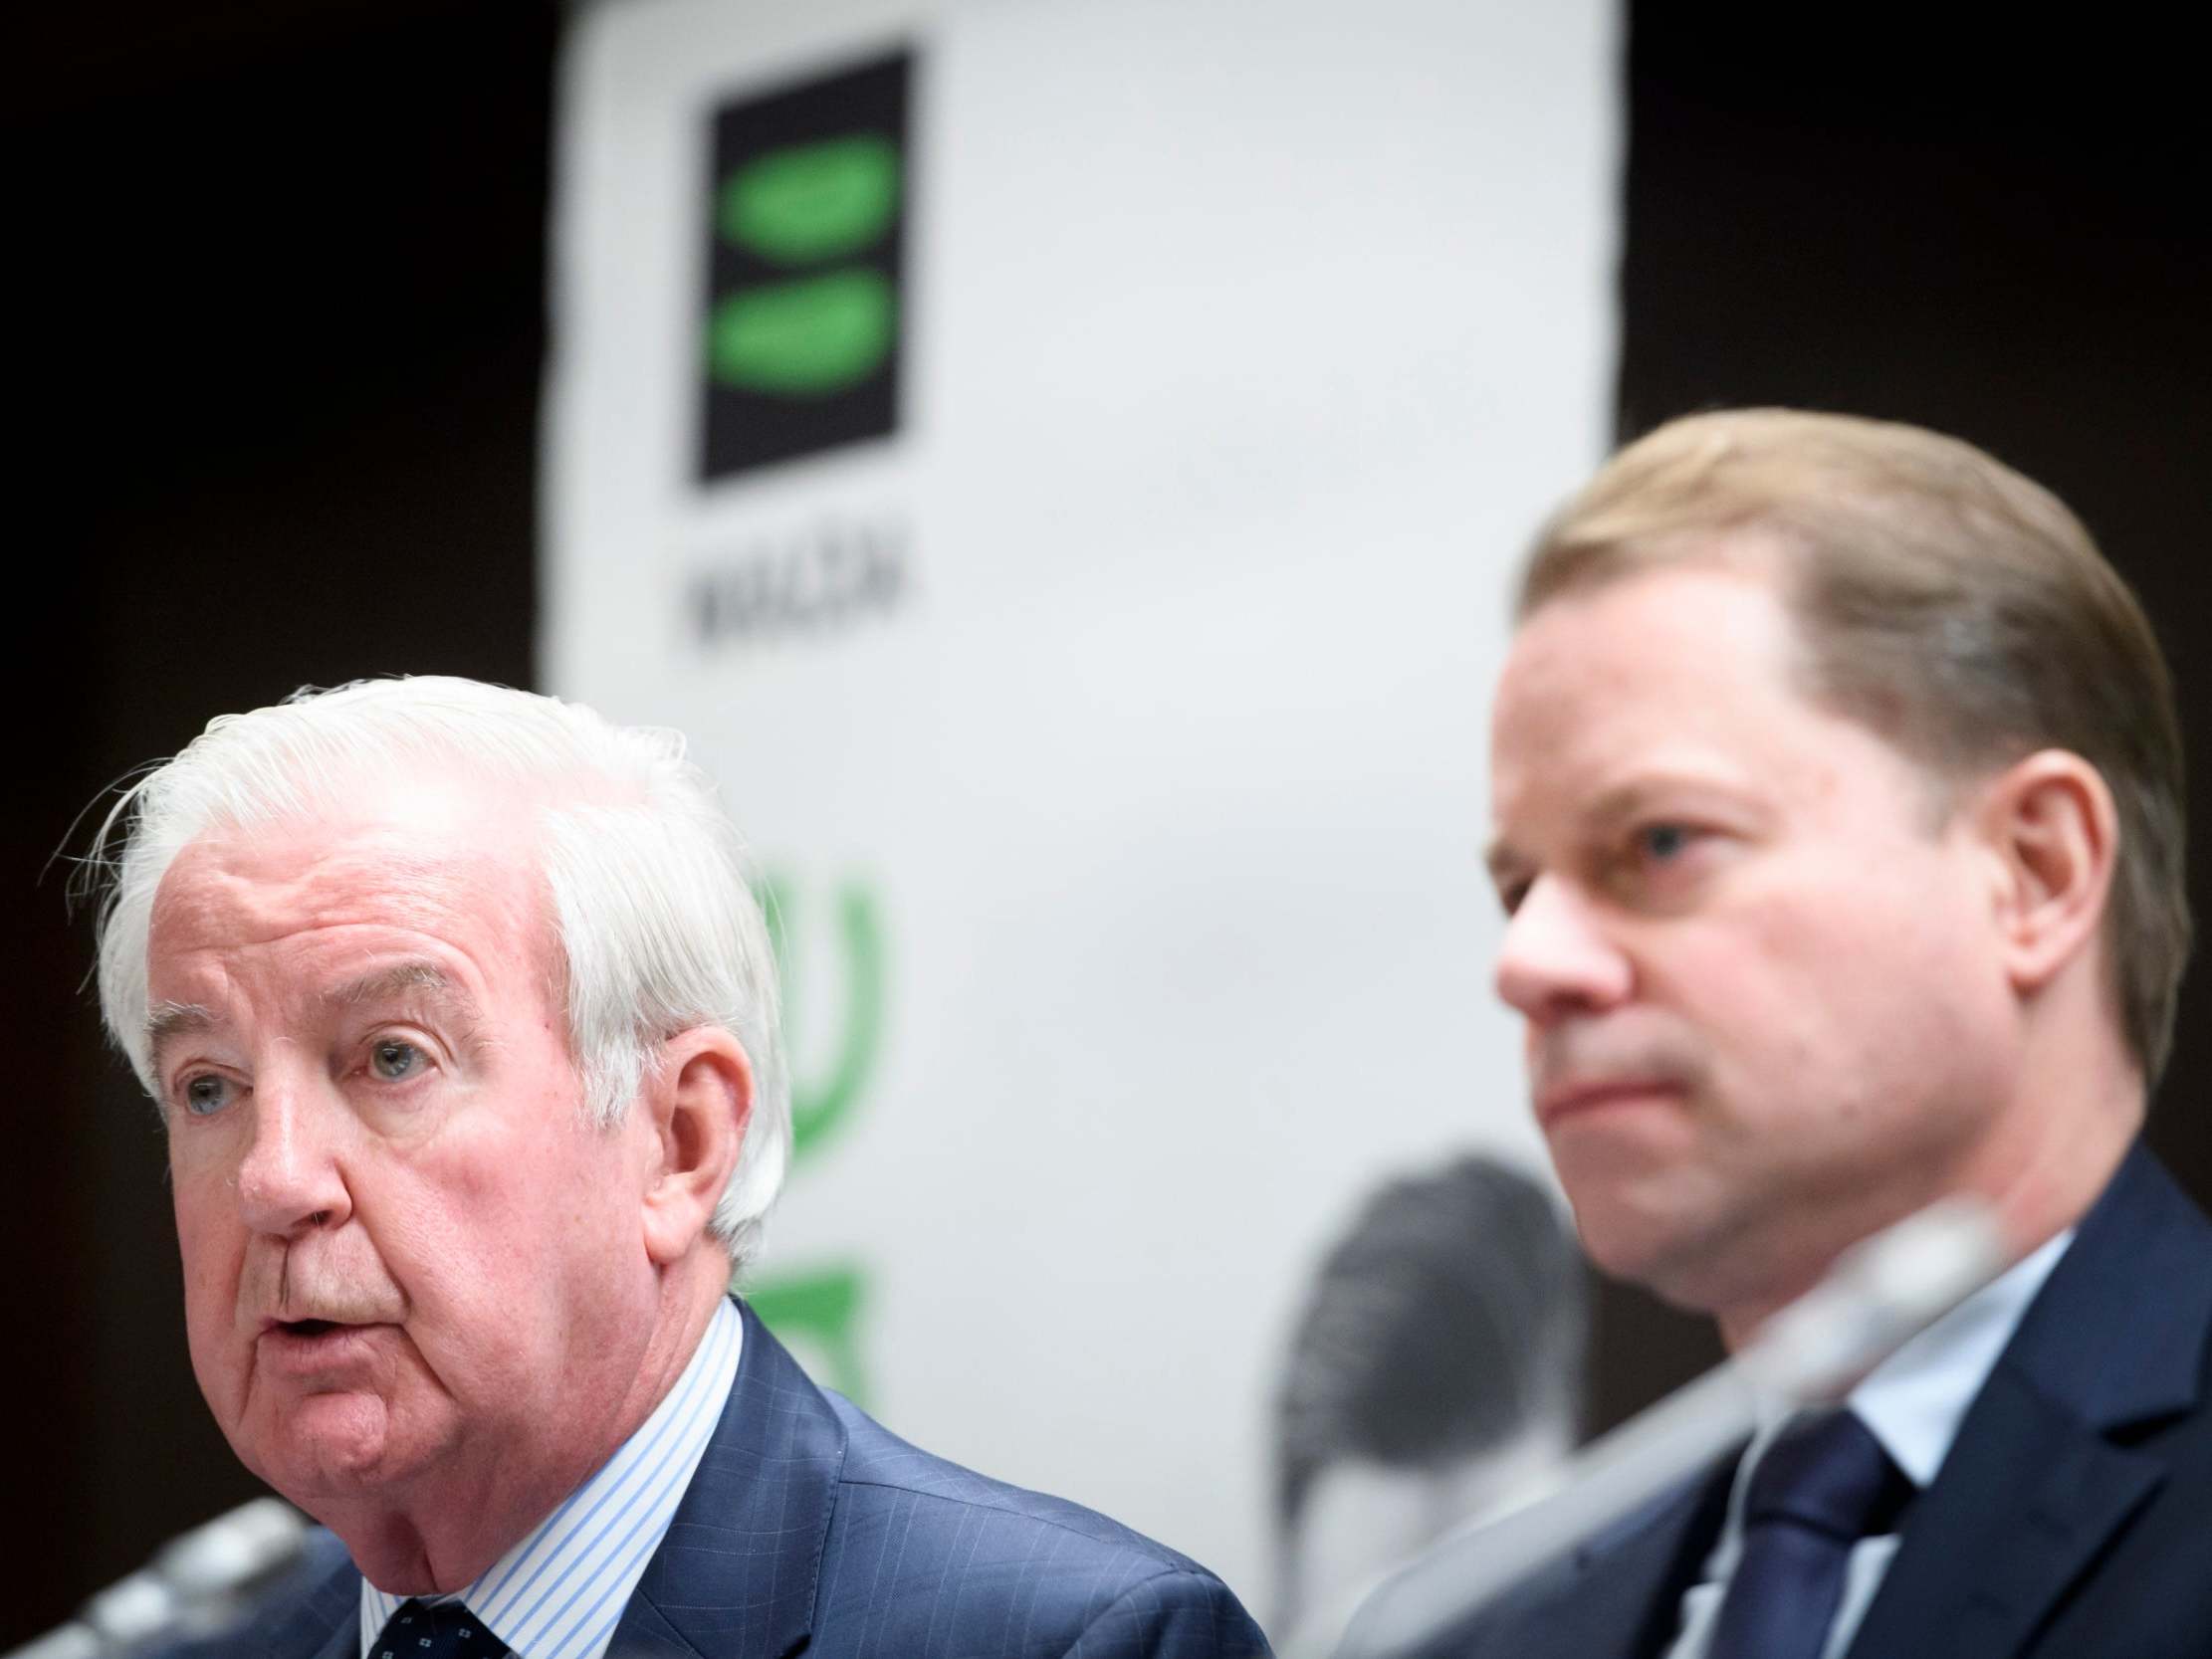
[(2037, 1179)]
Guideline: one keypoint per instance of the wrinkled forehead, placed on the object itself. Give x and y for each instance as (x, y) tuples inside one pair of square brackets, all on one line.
[(451, 863)]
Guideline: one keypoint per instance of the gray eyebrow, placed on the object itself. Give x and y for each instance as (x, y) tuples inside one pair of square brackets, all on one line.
[(168, 1020), (421, 978), (165, 1021), (400, 978)]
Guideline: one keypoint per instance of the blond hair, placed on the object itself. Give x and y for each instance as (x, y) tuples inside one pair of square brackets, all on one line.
[(1945, 603)]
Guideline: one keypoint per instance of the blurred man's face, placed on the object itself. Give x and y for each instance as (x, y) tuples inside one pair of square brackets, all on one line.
[(410, 1266), (1765, 1010)]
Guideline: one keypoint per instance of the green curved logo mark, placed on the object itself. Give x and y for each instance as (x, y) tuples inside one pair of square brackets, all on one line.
[(812, 202), (822, 1103), (806, 338), (821, 1309)]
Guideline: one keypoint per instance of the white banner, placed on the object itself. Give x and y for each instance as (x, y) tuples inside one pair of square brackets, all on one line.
[(1060, 462)]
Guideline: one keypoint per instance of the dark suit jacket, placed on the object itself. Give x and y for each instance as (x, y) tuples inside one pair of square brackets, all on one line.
[(808, 1525), (2073, 1516)]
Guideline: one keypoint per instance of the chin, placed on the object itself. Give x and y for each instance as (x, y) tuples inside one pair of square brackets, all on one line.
[(1624, 1253), (326, 1444), (1675, 1261)]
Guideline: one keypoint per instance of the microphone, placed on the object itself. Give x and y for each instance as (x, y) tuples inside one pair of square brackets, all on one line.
[(1879, 1293), (195, 1583)]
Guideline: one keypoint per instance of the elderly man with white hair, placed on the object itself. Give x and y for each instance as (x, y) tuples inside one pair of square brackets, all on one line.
[(461, 1022)]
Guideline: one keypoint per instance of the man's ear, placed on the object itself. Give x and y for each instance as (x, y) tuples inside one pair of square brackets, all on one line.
[(2049, 823), (700, 1098)]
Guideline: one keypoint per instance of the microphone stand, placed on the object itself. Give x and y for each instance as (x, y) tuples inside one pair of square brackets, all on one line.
[(194, 1586), (1880, 1293)]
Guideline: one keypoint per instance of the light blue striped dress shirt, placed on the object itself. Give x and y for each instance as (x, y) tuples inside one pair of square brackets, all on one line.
[(561, 1591)]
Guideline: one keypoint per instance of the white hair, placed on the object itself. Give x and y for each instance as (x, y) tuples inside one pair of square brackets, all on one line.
[(655, 920)]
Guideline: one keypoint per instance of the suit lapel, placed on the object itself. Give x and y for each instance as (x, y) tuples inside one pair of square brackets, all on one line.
[(2020, 1509), (735, 1576), (2037, 1483), (321, 1617)]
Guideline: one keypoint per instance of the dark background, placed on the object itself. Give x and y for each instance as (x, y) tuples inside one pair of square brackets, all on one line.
[(278, 331)]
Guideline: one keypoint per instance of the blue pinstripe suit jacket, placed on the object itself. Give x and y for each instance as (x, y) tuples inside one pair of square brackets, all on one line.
[(810, 1526)]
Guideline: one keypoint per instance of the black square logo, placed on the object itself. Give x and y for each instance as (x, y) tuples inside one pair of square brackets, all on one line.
[(805, 314)]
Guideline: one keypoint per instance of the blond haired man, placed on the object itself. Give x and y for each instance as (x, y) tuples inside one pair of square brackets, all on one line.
[(1838, 813)]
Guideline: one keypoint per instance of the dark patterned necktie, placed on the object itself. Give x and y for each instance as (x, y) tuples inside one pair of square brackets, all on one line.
[(435, 1630), (1824, 1484)]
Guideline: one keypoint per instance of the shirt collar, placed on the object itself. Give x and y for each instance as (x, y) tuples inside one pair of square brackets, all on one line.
[(1915, 1400), (560, 1592)]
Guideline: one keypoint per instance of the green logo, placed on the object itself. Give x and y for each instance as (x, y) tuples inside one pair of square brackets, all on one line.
[(822, 1309), (806, 338), (802, 328), (819, 1104), (823, 1306), (812, 202)]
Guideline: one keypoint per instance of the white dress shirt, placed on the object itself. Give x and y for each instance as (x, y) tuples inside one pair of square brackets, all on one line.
[(1914, 1402), (561, 1591)]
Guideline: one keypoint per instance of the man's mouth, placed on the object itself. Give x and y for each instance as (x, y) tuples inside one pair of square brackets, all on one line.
[(309, 1348), (304, 1326), (1576, 1098)]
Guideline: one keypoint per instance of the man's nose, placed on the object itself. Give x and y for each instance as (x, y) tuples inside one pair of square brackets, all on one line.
[(289, 1180), (1558, 960)]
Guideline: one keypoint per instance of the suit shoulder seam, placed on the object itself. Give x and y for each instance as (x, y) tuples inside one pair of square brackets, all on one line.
[(1197, 1575), (1158, 1556)]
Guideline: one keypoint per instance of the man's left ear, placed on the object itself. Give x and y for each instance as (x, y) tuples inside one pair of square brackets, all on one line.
[(2049, 820), (700, 1098)]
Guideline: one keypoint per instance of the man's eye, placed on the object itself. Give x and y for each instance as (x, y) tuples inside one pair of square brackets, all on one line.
[(206, 1094), (1662, 842), (395, 1060)]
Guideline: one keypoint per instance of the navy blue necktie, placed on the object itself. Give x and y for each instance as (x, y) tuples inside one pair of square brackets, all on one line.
[(1824, 1484), (435, 1630)]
